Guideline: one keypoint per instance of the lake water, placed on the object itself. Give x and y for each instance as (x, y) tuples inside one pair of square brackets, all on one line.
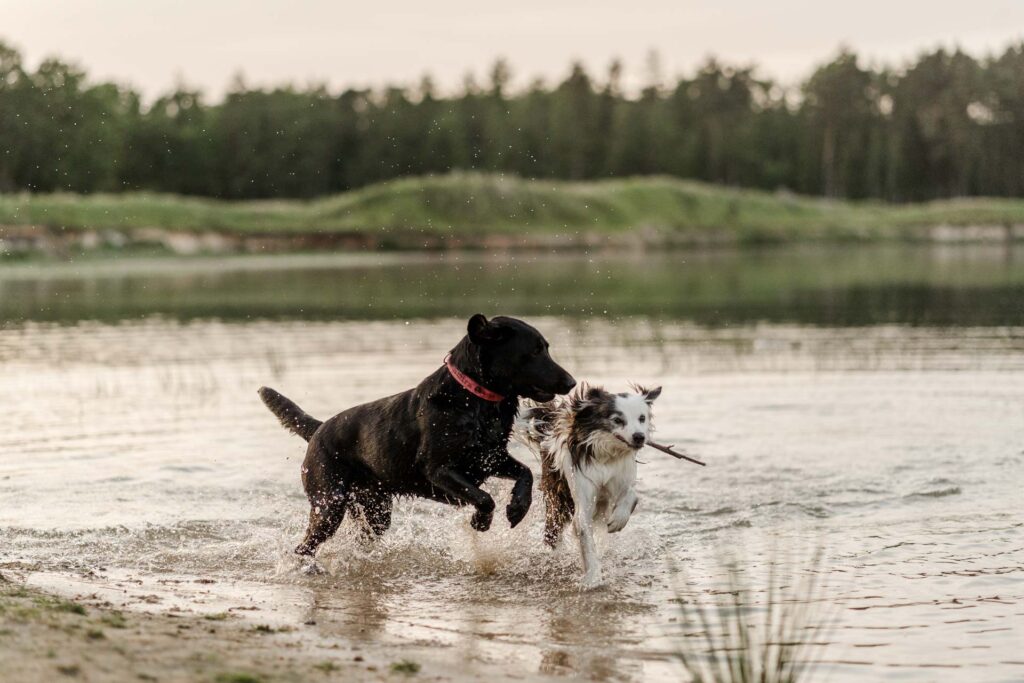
[(865, 400)]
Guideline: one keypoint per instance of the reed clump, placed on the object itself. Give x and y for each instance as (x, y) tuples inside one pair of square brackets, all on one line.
[(775, 632)]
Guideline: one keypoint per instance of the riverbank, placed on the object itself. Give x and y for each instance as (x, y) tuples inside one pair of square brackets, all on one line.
[(46, 637), (139, 633), (475, 211)]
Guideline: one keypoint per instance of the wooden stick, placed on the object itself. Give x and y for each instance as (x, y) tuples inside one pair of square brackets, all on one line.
[(668, 449)]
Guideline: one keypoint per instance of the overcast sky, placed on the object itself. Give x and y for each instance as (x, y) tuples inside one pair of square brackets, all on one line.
[(151, 44)]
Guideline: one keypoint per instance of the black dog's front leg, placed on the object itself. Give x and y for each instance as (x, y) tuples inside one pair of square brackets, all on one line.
[(460, 488), (522, 490)]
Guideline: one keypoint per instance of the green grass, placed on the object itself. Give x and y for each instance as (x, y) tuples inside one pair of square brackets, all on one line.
[(23, 605), (114, 620), (467, 205), (218, 616), (405, 667), (237, 677)]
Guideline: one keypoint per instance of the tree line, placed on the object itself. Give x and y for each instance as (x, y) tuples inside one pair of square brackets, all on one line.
[(948, 124)]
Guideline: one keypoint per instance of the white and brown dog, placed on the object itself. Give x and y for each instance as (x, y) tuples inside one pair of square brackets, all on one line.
[(588, 443)]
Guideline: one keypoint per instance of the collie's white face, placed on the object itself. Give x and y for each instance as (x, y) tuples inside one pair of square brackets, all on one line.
[(630, 418)]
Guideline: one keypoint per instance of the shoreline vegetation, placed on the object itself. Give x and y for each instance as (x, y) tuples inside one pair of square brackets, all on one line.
[(481, 211)]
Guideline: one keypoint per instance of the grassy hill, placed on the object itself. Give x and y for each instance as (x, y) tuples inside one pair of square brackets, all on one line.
[(464, 207)]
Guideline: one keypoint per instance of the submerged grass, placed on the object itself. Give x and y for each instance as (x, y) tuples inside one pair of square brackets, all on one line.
[(237, 677), (405, 666), (471, 204), (730, 645)]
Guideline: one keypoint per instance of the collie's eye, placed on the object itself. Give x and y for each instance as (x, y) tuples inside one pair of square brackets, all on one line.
[(618, 422), (643, 419)]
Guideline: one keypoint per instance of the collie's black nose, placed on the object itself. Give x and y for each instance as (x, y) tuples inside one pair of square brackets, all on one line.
[(639, 439)]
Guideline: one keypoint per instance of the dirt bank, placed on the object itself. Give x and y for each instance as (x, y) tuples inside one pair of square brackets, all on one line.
[(16, 241), (91, 637)]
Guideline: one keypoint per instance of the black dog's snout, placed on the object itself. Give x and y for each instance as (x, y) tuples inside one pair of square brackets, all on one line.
[(638, 439), (567, 384)]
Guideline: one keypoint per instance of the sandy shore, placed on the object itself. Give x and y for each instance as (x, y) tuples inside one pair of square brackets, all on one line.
[(44, 637)]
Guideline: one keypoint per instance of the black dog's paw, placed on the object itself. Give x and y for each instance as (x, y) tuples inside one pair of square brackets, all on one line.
[(517, 509), (482, 519)]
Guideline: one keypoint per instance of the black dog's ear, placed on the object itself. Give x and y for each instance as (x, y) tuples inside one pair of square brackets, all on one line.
[(482, 331)]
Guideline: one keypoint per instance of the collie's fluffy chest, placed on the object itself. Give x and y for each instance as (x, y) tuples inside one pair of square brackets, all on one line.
[(608, 473)]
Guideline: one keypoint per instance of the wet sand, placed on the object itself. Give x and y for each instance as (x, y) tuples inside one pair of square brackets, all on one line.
[(125, 630)]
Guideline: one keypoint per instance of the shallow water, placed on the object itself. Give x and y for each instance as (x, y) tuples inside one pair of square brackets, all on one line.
[(137, 463)]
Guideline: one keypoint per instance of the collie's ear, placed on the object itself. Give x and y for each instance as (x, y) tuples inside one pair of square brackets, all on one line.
[(587, 392), (648, 394), (481, 330), (585, 395)]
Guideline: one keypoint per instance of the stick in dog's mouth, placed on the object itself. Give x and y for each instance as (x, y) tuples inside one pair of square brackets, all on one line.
[(663, 449), (635, 448)]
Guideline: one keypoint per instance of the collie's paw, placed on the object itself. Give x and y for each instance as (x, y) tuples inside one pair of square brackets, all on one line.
[(591, 580), (617, 523), (310, 567)]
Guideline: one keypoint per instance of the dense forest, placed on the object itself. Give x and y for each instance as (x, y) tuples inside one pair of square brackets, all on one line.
[(948, 124)]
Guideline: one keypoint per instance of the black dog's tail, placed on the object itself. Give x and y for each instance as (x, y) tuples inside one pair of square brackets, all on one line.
[(292, 417)]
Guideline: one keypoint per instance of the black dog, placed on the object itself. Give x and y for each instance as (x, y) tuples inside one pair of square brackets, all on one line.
[(440, 440)]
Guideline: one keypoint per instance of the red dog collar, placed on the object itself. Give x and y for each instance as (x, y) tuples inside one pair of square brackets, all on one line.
[(469, 384)]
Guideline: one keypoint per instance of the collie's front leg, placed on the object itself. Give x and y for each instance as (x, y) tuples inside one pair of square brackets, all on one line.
[(584, 495), (622, 511)]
